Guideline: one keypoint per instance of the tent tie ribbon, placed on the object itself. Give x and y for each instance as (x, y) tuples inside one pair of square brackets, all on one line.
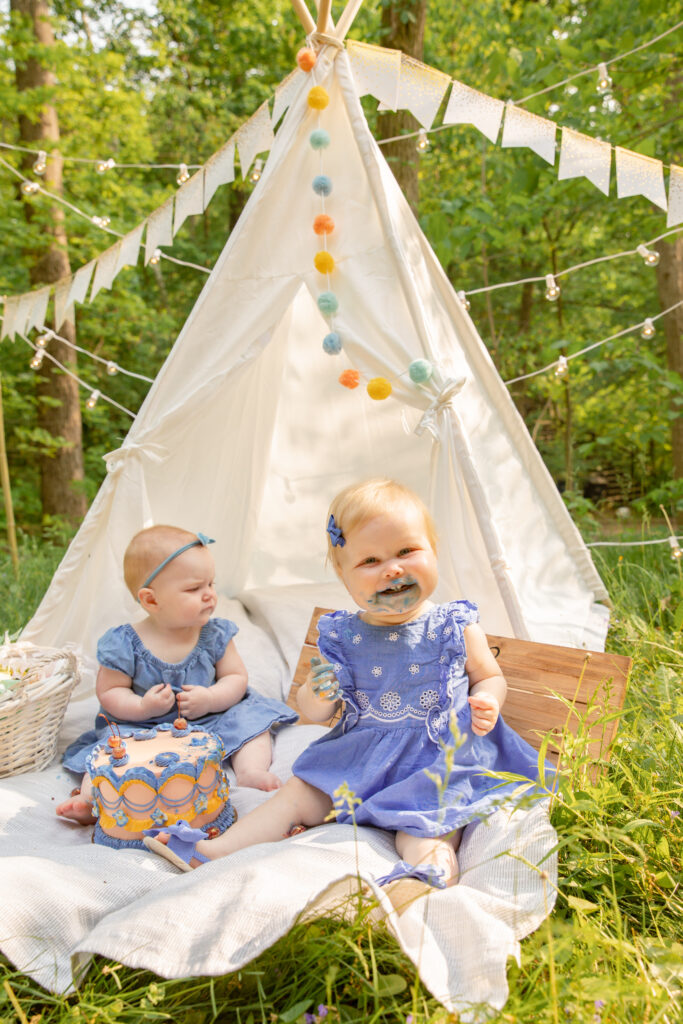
[(117, 459), (443, 400)]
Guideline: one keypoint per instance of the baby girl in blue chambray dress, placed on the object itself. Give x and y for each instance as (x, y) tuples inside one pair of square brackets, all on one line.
[(177, 661), (420, 731)]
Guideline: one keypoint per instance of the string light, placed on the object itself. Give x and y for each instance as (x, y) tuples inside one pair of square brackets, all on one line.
[(676, 552), (562, 368), (604, 81), (552, 288), (40, 164), (422, 141), (112, 368), (465, 301), (650, 256), (91, 401), (29, 188), (37, 360), (183, 175), (648, 328), (101, 222), (42, 339), (156, 256), (256, 171), (102, 166)]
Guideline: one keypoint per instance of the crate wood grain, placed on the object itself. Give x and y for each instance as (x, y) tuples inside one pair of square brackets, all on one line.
[(550, 689)]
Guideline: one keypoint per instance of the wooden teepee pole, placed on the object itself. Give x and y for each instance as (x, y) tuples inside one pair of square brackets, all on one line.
[(4, 476), (324, 9), (346, 20), (304, 16)]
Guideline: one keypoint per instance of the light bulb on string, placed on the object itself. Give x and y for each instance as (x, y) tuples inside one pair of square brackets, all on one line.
[(676, 552), (648, 328), (40, 163), (155, 257), (112, 368), (42, 339), (91, 401), (29, 188), (650, 256), (256, 171), (37, 360), (604, 81), (552, 288), (101, 222), (183, 175), (422, 141), (562, 368), (105, 165), (463, 298)]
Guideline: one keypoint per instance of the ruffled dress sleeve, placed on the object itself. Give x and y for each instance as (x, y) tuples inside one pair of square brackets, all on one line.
[(332, 629), (115, 650), (217, 636)]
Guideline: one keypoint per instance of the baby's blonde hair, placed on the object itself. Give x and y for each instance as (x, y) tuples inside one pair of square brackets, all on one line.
[(358, 503), (148, 549)]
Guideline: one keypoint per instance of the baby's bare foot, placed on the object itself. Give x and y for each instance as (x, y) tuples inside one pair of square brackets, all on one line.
[(256, 778), (76, 808)]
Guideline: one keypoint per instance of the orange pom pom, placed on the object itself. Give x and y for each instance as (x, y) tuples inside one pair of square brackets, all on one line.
[(350, 379), (379, 388), (323, 224), (324, 262), (318, 98), (306, 59)]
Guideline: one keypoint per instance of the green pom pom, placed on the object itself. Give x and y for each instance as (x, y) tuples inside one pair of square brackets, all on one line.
[(319, 139), (328, 303), (420, 370)]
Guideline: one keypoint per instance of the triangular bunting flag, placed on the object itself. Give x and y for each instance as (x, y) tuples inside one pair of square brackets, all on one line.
[(189, 200), (675, 196), (467, 106), (639, 175), (219, 170), (8, 317), (105, 271), (63, 311), (79, 284), (38, 312), (23, 312), (285, 93), (584, 157), (521, 128), (130, 248), (376, 71), (159, 228), (421, 90), (256, 136)]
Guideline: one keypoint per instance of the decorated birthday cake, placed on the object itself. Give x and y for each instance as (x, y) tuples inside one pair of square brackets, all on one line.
[(148, 778)]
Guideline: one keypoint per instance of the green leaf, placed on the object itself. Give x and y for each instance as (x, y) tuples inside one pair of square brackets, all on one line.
[(390, 985), (678, 616), (585, 906), (295, 1011)]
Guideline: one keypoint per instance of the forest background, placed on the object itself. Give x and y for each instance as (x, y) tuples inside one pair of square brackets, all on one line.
[(168, 82)]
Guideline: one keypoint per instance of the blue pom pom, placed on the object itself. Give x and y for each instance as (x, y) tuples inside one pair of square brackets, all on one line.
[(319, 139), (328, 303), (322, 185), (420, 370), (332, 343)]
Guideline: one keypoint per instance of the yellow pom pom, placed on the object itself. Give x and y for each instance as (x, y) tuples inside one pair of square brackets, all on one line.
[(379, 388), (318, 98), (324, 262)]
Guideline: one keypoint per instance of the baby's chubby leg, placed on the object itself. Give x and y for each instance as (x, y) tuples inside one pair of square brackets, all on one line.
[(440, 852), (79, 807), (251, 763)]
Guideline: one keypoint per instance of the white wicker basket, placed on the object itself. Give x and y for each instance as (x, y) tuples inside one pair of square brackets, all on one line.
[(31, 713)]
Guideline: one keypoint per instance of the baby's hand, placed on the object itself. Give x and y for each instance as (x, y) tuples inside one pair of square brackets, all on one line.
[(485, 711), (324, 683), (194, 701), (158, 700)]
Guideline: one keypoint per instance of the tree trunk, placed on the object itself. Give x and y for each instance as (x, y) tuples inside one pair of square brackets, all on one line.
[(59, 410), (403, 24), (670, 289)]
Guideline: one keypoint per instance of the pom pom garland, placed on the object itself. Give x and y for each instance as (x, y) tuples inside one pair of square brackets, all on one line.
[(318, 98), (306, 58), (323, 224), (319, 139), (332, 344), (328, 303), (349, 379), (379, 388), (420, 370), (324, 262), (322, 185)]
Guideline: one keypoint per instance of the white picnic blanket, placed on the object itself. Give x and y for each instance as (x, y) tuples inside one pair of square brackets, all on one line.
[(64, 899)]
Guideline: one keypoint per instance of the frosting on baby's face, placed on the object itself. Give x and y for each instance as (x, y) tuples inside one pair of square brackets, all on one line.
[(389, 567)]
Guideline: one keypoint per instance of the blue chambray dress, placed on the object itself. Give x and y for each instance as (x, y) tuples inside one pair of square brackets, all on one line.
[(122, 649), (400, 685)]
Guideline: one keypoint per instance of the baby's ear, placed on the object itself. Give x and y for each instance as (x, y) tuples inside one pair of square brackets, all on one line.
[(147, 598)]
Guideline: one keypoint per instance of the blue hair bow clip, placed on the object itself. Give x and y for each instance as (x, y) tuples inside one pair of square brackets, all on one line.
[(336, 536)]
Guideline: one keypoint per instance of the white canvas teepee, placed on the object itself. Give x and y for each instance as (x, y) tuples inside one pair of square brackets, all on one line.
[(246, 433)]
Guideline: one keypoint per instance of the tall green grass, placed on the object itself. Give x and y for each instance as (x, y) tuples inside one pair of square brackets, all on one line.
[(610, 953)]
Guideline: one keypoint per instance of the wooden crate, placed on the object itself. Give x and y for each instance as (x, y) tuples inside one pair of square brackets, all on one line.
[(538, 677)]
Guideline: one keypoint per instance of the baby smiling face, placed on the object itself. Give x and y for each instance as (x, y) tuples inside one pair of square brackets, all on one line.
[(388, 565)]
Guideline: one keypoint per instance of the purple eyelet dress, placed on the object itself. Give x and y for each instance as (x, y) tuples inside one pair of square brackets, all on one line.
[(122, 649), (401, 686)]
